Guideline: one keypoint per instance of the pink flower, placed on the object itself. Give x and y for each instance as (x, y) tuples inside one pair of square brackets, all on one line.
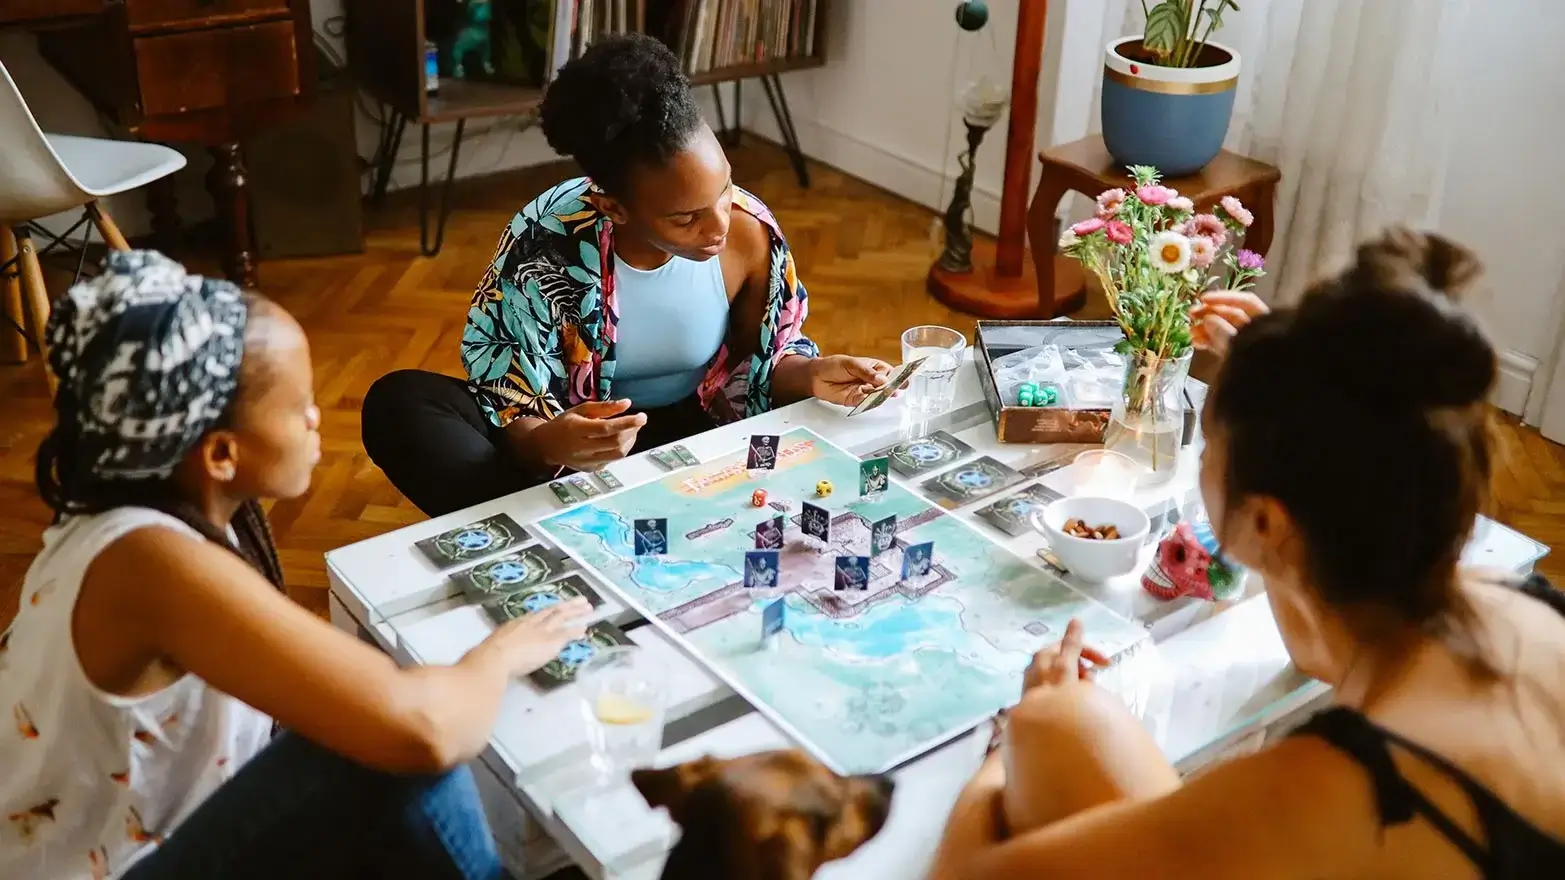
[(1182, 205), (1109, 202), (1202, 252), (1236, 210), (1087, 227), (1206, 226), (1119, 232), (1152, 194), (1250, 261)]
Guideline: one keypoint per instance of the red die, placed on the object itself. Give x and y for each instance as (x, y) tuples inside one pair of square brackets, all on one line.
[(758, 498)]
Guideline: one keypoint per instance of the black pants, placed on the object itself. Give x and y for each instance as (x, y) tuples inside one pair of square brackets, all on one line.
[(438, 448)]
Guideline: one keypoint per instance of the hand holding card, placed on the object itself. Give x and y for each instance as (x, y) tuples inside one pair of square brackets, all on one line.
[(524, 645), (846, 380), (588, 435)]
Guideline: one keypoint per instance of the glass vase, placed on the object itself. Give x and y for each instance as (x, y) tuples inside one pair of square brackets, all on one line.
[(1147, 421)]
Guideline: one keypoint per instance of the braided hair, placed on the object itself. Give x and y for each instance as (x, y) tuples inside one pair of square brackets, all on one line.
[(148, 361)]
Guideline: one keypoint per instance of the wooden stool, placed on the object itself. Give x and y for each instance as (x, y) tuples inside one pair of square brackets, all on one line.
[(1087, 168)]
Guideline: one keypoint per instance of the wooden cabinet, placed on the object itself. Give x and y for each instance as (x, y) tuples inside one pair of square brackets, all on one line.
[(208, 72)]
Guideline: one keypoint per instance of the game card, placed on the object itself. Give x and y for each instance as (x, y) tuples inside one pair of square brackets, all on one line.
[(852, 573), (924, 454), (874, 476), (585, 486), (562, 669), (530, 566), (666, 459), (884, 393), (1010, 514), (472, 541), (769, 534), (1053, 463), (882, 535), (651, 536), (684, 456), (967, 483), (815, 522), (607, 478), (531, 600), (763, 452), (917, 560), (567, 493), (774, 618), (761, 569)]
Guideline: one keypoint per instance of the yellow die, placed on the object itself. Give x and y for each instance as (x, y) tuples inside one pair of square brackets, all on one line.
[(823, 488)]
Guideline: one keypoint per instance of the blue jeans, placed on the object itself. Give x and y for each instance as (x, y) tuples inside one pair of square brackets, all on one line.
[(301, 812)]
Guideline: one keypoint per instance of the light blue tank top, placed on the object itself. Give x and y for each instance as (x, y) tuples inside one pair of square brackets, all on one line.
[(672, 320)]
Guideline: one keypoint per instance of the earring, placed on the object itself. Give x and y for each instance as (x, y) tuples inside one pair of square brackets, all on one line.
[(226, 474)]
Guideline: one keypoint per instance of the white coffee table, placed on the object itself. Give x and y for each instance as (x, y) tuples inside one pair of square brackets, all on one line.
[(1224, 682)]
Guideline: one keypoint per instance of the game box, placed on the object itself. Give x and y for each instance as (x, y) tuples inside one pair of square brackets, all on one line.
[(1083, 372)]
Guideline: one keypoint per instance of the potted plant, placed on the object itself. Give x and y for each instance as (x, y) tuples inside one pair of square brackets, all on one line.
[(1155, 255), (1168, 93)]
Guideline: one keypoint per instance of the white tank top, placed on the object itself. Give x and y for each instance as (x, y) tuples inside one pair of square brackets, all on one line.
[(90, 781), (672, 320)]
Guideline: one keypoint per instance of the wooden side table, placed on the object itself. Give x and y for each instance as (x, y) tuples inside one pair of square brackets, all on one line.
[(1087, 168)]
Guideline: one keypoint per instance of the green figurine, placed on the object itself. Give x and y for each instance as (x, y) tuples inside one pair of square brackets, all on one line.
[(471, 37)]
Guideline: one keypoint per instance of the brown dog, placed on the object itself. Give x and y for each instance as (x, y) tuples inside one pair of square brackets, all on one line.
[(768, 816)]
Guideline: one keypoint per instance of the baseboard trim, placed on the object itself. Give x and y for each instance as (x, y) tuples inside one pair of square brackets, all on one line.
[(1517, 370)]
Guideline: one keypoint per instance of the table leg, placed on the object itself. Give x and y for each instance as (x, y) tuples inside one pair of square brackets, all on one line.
[(1041, 225), (229, 184), (1259, 238), (164, 206)]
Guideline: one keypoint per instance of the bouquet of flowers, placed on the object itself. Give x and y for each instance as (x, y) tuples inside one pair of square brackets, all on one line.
[(1155, 257)]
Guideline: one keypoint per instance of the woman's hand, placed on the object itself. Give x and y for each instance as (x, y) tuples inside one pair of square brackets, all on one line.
[(528, 642), (846, 380), (1220, 314), (1065, 662)]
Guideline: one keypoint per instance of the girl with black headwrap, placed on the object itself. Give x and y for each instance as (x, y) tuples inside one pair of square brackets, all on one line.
[(152, 649)]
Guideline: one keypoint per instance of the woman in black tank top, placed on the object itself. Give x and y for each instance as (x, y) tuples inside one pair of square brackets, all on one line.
[(1347, 457)]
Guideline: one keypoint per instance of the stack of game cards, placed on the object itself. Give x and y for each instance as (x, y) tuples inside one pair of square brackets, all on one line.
[(513, 579)]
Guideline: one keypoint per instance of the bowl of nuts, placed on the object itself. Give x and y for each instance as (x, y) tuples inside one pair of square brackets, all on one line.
[(1096, 538)]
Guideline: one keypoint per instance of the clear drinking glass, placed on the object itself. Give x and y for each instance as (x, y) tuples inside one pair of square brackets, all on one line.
[(623, 701), (933, 386)]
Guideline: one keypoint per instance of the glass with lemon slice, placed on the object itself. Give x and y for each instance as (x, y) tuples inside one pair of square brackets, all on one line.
[(623, 701)]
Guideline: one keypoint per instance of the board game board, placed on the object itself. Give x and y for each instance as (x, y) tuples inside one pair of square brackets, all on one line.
[(866, 679)]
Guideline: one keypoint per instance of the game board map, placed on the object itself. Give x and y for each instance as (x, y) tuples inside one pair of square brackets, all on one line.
[(865, 679)]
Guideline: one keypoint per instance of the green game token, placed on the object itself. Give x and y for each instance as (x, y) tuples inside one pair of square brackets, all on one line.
[(1046, 397), (1024, 398)]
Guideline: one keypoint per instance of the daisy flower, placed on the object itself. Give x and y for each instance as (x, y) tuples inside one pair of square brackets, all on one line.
[(1088, 226), (1207, 226), (1181, 204), (1119, 232), (1109, 202), (1169, 252), (1153, 194), (1236, 210), (1202, 252)]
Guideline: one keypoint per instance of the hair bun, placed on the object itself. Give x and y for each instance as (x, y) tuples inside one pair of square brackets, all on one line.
[(1396, 329), (611, 87)]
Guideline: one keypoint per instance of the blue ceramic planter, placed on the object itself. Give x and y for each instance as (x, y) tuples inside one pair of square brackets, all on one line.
[(1173, 118)]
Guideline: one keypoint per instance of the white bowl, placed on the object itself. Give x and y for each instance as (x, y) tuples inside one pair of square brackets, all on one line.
[(1086, 558)]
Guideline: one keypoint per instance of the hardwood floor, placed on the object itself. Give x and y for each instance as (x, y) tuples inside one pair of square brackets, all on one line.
[(862, 252)]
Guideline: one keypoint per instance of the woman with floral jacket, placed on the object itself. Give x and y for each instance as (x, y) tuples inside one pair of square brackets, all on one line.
[(647, 302)]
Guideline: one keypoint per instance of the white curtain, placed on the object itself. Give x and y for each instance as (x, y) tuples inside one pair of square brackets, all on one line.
[(1352, 99)]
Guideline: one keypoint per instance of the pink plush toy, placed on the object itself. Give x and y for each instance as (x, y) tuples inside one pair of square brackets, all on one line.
[(1189, 563)]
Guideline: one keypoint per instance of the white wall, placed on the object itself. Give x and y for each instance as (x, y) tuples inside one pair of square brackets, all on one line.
[(1501, 192)]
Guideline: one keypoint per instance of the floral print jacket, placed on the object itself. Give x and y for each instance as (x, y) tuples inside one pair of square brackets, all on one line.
[(541, 330)]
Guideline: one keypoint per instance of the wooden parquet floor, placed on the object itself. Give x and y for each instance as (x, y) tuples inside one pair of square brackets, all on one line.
[(862, 252)]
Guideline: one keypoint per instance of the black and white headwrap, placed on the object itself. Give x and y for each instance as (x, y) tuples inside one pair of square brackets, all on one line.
[(148, 357)]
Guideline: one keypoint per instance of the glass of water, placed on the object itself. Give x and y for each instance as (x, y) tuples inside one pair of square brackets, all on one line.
[(623, 700), (933, 386)]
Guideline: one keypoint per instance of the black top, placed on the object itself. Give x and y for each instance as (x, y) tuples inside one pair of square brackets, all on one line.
[(1515, 847)]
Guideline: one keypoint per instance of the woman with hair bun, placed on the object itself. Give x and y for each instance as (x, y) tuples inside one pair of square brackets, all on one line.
[(1347, 456), (648, 301)]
